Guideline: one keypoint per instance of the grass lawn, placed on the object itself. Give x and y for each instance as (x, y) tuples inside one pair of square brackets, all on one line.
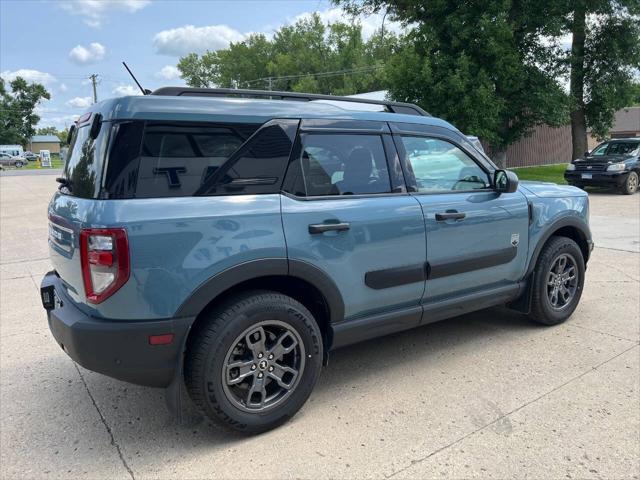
[(56, 162), (545, 173)]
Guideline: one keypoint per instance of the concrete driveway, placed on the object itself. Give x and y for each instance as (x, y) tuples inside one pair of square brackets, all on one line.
[(486, 395)]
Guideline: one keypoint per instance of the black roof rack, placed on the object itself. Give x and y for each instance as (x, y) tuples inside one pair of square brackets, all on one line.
[(393, 107)]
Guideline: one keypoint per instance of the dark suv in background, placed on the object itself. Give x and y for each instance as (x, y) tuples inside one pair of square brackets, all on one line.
[(615, 163)]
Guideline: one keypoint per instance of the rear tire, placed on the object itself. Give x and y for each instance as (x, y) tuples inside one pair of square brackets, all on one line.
[(558, 281), (254, 361), (630, 185), (18, 164)]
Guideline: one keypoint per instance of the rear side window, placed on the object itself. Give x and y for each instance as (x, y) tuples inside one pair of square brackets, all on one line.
[(169, 159), (340, 164)]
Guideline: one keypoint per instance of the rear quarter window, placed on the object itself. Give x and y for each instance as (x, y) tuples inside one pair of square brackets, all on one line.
[(168, 159)]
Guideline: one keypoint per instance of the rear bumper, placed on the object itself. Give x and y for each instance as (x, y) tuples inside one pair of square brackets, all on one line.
[(610, 179), (116, 348)]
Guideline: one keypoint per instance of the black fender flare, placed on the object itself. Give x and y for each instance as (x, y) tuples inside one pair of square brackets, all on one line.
[(576, 222), (268, 267)]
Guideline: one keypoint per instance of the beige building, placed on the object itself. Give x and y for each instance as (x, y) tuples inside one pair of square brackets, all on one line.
[(627, 124), (547, 145), (43, 142)]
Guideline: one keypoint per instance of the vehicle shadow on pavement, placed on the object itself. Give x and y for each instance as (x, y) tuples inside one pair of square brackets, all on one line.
[(139, 414)]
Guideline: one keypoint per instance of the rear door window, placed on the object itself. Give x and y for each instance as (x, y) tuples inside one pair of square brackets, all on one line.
[(340, 164)]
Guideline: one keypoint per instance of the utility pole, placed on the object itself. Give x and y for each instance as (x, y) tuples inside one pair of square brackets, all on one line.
[(94, 82), (270, 83)]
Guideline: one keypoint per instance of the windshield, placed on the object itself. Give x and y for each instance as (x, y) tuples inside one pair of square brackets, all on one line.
[(83, 166), (616, 148)]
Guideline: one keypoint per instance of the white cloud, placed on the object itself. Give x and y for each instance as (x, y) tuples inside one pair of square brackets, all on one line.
[(63, 87), (29, 75), (126, 91), (187, 39), (94, 12), (86, 55), (58, 121), (80, 102), (183, 40), (168, 72)]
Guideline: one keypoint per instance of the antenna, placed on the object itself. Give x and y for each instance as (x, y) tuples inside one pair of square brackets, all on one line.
[(143, 90)]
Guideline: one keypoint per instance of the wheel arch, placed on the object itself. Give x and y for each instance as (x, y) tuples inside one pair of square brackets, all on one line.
[(300, 280), (572, 227)]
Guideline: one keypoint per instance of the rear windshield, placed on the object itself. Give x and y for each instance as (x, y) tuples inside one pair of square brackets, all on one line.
[(83, 166)]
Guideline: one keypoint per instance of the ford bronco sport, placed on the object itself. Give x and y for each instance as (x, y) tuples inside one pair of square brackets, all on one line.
[(228, 244)]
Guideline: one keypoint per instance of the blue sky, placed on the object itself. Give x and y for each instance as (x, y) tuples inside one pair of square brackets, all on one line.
[(61, 42)]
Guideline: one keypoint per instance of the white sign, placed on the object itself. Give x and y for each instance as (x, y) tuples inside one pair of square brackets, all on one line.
[(45, 158)]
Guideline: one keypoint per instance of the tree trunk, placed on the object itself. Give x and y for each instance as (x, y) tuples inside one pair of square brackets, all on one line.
[(578, 118), (499, 156)]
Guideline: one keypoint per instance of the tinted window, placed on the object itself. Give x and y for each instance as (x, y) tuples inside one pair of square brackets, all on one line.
[(623, 148), (440, 166), (161, 159), (600, 150), (259, 166), (84, 162), (336, 164)]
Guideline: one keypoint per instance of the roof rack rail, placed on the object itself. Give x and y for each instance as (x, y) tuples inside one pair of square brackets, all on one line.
[(393, 107)]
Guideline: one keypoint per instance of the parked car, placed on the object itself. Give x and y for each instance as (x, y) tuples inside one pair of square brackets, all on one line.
[(7, 160), (615, 163), (229, 246), (30, 156)]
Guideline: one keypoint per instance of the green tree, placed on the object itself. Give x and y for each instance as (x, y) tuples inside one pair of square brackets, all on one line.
[(306, 56), (47, 131), (604, 56), (483, 65), (51, 130), (17, 110)]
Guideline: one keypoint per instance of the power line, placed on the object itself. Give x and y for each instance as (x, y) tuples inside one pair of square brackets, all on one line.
[(334, 73)]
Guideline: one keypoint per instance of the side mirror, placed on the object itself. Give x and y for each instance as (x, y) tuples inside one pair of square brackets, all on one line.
[(587, 153), (505, 181)]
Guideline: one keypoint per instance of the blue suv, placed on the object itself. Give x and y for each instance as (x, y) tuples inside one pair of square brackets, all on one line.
[(223, 242)]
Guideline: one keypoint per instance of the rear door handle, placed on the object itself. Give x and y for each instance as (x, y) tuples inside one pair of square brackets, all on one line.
[(327, 227), (450, 215)]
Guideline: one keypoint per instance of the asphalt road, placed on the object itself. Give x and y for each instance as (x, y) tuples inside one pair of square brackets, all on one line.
[(487, 395)]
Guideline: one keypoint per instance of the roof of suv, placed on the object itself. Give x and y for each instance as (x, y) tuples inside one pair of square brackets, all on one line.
[(152, 107)]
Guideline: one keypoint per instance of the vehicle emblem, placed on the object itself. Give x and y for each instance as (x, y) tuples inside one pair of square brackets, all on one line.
[(171, 173), (515, 239), (589, 167)]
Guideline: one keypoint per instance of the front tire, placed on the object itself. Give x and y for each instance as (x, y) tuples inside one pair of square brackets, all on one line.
[(630, 185), (558, 281), (254, 361)]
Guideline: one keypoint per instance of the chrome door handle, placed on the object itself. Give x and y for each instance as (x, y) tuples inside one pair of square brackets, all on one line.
[(327, 227)]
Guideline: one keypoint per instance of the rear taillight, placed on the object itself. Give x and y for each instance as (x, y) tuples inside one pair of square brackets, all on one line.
[(104, 256)]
